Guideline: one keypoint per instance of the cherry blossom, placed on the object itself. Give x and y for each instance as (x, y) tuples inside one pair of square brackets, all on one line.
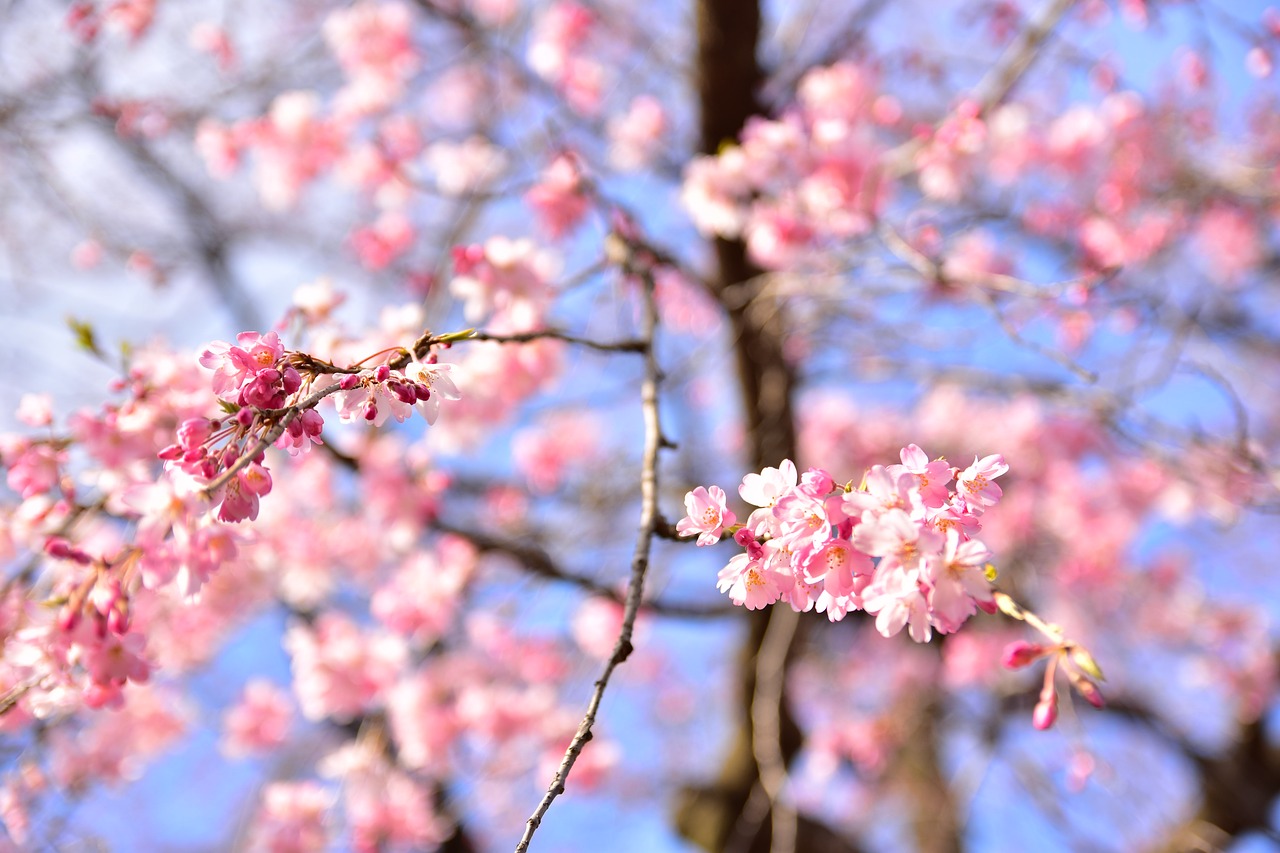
[(707, 515)]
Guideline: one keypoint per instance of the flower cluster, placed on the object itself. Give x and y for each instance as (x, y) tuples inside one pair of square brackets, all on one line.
[(252, 371), (257, 379), (373, 395), (900, 546)]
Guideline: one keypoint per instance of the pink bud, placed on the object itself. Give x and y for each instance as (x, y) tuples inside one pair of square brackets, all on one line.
[(349, 381), (61, 549), (194, 431), (402, 392), (69, 618), (382, 373), (57, 547), (312, 422), (118, 619), (292, 380), (817, 481), (1086, 688), (1090, 692), (1020, 653), (1046, 711)]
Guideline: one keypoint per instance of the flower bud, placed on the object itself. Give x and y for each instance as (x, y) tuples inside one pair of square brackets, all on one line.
[(118, 618), (292, 380), (1081, 658), (312, 422), (1046, 710), (58, 548), (1086, 688), (402, 392), (1020, 653), (69, 617)]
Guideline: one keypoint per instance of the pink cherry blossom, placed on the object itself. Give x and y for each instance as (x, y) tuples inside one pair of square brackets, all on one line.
[(1227, 238), (636, 136), (931, 477), (707, 515), (292, 818), (958, 582), (35, 410), (751, 583), (259, 721), (897, 599), (339, 669), (763, 490), (438, 385), (976, 488), (558, 199), (896, 538)]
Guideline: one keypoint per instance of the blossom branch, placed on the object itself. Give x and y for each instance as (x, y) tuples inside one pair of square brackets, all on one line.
[(270, 437), (640, 559)]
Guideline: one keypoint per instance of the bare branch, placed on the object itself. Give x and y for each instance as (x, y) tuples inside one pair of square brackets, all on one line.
[(766, 722), (538, 562), (639, 562), (636, 346)]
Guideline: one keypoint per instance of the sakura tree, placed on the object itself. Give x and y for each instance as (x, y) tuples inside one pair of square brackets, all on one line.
[(387, 379)]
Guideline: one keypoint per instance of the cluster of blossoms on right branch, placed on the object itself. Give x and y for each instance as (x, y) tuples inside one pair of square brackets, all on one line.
[(901, 546)]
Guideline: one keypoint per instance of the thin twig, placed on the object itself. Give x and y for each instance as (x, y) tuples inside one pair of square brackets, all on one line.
[(636, 346), (1017, 58), (766, 723), (622, 648), (932, 271)]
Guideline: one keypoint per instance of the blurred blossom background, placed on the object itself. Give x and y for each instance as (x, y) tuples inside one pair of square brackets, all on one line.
[(1035, 228)]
